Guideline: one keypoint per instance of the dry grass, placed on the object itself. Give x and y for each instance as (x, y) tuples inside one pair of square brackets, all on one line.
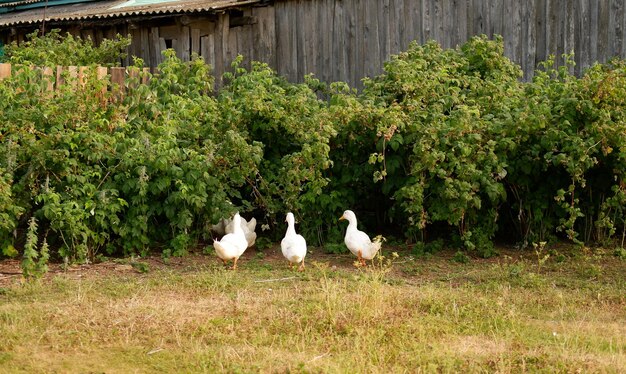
[(417, 315)]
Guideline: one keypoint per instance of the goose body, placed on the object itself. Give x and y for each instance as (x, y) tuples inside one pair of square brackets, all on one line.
[(247, 227), (293, 245), (357, 241), (232, 245), (226, 226)]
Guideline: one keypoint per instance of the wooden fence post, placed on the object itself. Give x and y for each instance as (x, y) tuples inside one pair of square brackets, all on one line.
[(82, 76), (117, 82), (73, 74), (146, 76), (5, 71), (48, 79), (60, 79), (101, 74)]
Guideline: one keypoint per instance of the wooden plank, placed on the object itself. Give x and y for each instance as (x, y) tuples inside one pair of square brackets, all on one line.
[(593, 32), (470, 19), (219, 48), (512, 30), (339, 54), (245, 44), (175, 46), (351, 41), (162, 47), (118, 78), (448, 23), (603, 31), (47, 75), (232, 47), (568, 30), (73, 75), (540, 19), (101, 74), (264, 32), (478, 17), (360, 36), (426, 22), (145, 75), (437, 24), (496, 16), (195, 41), (414, 11), (408, 21), (616, 31), (283, 66), (59, 76), (461, 24), (529, 51), (622, 53), (552, 30), (322, 61), (580, 25), (399, 39), (383, 30), (5, 71), (311, 38), (184, 44), (169, 32), (134, 77), (99, 35), (300, 16), (372, 63), (135, 44), (155, 47), (144, 48), (485, 19)]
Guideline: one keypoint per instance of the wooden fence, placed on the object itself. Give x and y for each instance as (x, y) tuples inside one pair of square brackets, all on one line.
[(53, 78)]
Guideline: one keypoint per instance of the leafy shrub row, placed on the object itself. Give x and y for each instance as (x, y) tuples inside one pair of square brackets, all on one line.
[(444, 144)]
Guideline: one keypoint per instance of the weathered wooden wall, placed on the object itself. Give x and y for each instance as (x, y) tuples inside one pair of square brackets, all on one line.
[(349, 39)]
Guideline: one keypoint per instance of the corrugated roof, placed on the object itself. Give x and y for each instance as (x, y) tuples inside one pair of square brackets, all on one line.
[(117, 8)]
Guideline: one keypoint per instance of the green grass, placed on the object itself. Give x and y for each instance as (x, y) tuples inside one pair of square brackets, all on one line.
[(427, 314)]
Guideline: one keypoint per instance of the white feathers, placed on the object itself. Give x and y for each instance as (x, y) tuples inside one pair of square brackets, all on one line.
[(293, 245), (232, 245), (226, 226), (358, 242)]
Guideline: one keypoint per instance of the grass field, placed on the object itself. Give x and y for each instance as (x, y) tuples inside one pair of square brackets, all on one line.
[(512, 313)]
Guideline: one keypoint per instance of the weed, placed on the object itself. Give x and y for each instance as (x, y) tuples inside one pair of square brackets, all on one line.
[(539, 252), (335, 248), (141, 267), (461, 257)]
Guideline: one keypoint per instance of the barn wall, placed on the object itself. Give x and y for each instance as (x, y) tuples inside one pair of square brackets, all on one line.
[(349, 39)]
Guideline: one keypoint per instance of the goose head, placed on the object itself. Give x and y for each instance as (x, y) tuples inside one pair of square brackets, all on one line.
[(349, 216)]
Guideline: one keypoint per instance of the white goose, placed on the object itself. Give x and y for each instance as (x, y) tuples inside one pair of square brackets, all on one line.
[(357, 241), (225, 226), (247, 227), (233, 245), (293, 245)]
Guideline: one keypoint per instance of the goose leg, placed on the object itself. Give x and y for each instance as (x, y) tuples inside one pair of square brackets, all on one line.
[(361, 260), (235, 263), (301, 268)]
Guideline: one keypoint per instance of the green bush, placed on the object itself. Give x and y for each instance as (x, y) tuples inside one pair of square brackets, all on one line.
[(440, 117), (54, 49), (447, 145)]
